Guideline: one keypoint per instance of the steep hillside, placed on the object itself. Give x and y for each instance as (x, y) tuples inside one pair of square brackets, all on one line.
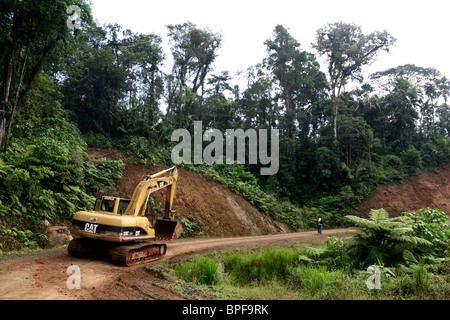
[(222, 212), (430, 189)]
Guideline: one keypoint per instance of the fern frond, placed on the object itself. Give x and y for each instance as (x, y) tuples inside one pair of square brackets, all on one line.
[(409, 257), (378, 215), (401, 231), (315, 252), (360, 222), (411, 239), (305, 259), (420, 241)]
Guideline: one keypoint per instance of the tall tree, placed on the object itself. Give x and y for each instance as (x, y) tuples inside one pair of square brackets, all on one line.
[(31, 33), (145, 56), (430, 86), (297, 74), (256, 106), (194, 51), (348, 50), (112, 76), (95, 80)]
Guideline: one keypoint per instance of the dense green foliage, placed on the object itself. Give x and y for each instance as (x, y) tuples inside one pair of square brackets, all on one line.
[(65, 89), (47, 175), (432, 225)]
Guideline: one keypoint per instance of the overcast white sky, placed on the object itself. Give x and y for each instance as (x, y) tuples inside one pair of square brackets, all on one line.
[(421, 27)]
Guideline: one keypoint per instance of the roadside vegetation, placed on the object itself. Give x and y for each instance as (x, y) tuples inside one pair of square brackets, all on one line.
[(390, 258)]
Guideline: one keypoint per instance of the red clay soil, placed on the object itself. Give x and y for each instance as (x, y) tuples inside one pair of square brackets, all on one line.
[(430, 189), (222, 212)]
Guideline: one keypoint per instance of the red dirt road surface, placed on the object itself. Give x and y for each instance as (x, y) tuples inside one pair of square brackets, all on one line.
[(44, 275)]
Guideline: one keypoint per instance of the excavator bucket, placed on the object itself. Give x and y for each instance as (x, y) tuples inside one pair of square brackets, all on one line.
[(167, 229)]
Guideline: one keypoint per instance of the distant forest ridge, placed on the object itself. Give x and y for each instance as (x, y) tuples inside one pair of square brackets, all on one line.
[(105, 85)]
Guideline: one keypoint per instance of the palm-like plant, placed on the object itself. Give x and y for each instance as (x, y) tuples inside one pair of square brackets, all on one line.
[(381, 239)]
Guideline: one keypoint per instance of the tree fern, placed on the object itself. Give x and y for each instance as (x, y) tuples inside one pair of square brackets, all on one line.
[(382, 239)]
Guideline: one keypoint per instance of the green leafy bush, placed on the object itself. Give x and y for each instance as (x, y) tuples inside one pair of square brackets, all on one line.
[(97, 140), (389, 168), (192, 226), (46, 174), (430, 224), (102, 176), (412, 159), (26, 237)]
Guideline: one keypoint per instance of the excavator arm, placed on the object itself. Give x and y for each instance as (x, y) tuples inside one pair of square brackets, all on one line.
[(149, 184), (166, 227)]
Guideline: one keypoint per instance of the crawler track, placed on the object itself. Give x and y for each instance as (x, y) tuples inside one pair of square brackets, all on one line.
[(121, 254), (130, 255)]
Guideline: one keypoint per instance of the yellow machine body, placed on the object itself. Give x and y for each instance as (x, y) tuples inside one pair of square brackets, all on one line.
[(111, 226), (119, 220)]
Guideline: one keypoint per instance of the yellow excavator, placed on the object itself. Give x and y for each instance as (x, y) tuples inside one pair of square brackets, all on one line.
[(119, 227)]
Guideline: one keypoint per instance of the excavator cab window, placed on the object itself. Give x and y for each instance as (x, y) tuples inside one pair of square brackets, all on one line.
[(108, 204), (123, 204)]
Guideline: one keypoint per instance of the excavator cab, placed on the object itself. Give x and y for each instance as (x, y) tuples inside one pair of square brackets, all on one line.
[(108, 204)]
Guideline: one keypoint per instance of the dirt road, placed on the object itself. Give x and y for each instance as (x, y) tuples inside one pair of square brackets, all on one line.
[(44, 275)]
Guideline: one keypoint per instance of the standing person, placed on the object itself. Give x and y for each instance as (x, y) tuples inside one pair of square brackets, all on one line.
[(320, 225)]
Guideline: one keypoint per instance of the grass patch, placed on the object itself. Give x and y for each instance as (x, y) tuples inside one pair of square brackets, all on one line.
[(201, 270), (268, 264), (278, 273)]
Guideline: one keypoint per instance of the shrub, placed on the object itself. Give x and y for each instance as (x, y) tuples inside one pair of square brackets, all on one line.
[(97, 140), (135, 145), (25, 237), (102, 176), (412, 160), (430, 224), (338, 253), (46, 174), (192, 226), (389, 168)]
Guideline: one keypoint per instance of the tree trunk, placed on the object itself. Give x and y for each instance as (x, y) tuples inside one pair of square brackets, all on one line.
[(2, 128), (7, 78), (5, 101), (335, 106), (17, 100), (23, 82)]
